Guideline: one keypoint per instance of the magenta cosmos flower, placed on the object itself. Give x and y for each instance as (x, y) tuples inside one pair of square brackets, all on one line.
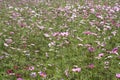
[(91, 66), (91, 49), (10, 72), (42, 74), (115, 50)]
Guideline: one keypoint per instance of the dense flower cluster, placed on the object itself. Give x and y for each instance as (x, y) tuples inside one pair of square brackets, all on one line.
[(42, 39)]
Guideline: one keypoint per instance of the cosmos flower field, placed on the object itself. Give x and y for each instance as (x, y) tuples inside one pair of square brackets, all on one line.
[(59, 40)]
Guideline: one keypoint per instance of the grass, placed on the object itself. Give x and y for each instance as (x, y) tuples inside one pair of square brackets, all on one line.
[(55, 37)]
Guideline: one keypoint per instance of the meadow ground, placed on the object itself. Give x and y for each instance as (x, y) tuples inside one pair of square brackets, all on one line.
[(59, 40)]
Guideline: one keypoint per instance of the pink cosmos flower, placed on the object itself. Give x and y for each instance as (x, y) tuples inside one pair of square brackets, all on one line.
[(55, 34), (60, 34), (101, 55), (91, 49), (89, 33), (116, 8), (31, 68), (15, 15), (99, 16), (42, 74), (76, 69), (19, 78), (11, 33), (91, 23), (64, 33), (92, 10), (22, 24), (115, 50), (113, 22), (118, 75), (91, 66)]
